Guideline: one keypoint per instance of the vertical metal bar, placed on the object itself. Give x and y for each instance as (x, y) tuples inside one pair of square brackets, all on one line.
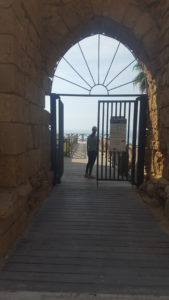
[(102, 153), (111, 153), (125, 109), (126, 153), (110, 166), (141, 139), (114, 165), (118, 164), (111, 109), (107, 140), (122, 165), (116, 109), (128, 139), (98, 58), (129, 113), (98, 140), (133, 180), (120, 109), (61, 138), (53, 135)]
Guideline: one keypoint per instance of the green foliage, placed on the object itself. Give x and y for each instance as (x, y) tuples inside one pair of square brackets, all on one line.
[(140, 78)]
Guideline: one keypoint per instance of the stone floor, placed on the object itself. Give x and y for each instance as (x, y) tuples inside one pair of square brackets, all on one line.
[(89, 242)]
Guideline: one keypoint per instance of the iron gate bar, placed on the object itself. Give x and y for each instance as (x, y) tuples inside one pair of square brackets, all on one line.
[(86, 62), (53, 135), (142, 138), (98, 126), (111, 63), (97, 95), (121, 72), (61, 142), (64, 79), (118, 162), (128, 136), (57, 135), (102, 142), (107, 139), (133, 180), (98, 58), (76, 71), (118, 86), (100, 85)]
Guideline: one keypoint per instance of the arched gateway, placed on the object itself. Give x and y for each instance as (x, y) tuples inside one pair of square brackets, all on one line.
[(34, 35), (95, 68)]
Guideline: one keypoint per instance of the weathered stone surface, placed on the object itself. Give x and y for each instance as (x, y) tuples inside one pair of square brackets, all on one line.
[(11, 80), (33, 38), (121, 8), (166, 208), (7, 20), (15, 138), (13, 170), (7, 42), (7, 201), (150, 190), (33, 162), (13, 109)]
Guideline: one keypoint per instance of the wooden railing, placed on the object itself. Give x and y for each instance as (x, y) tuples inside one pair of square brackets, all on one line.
[(70, 142)]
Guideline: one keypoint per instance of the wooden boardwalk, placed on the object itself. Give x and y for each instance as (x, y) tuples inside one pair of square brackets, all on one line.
[(90, 240)]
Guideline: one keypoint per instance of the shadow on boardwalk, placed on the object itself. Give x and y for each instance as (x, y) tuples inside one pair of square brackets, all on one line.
[(90, 240)]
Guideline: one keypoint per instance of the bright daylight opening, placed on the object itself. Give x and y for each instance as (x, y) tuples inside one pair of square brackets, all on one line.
[(101, 66), (96, 65)]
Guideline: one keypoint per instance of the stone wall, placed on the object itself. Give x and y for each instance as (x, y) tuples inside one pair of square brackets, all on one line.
[(33, 37), (157, 185), (24, 134)]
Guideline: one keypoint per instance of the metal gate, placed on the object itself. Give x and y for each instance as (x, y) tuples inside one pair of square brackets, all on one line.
[(57, 137), (121, 139)]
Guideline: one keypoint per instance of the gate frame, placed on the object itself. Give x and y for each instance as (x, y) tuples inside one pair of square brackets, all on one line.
[(141, 115), (57, 128), (58, 168)]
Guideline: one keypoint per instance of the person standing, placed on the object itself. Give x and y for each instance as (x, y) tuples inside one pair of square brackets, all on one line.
[(91, 152)]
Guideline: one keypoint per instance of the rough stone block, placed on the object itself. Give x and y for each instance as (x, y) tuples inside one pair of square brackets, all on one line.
[(36, 136), (7, 20), (11, 79), (131, 17), (164, 120), (97, 7), (166, 209), (8, 239), (13, 109), (7, 43), (120, 7), (84, 9), (13, 170), (31, 8), (15, 138), (46, 157), (150, 42), (41, 136), (7, 201), (36, 114), (143, 25), (33, 160), (6, 3)]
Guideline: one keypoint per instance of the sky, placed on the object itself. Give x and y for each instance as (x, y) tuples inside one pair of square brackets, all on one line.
[(80, 114)]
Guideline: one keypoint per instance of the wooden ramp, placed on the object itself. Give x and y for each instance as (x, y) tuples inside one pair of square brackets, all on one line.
[(90, 240)]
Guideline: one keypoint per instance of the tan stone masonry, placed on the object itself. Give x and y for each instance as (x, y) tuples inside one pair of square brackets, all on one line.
[(33, 37)]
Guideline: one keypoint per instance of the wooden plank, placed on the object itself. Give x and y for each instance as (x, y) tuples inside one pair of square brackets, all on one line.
[(86, 239)]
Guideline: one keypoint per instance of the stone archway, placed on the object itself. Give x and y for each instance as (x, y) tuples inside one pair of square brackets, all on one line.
[(132, 24), (34, 35)]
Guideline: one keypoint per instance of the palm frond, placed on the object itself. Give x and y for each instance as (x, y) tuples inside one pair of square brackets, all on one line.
[(140, 78)]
